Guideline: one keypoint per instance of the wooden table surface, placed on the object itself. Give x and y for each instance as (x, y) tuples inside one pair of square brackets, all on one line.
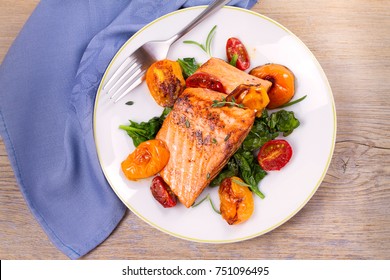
[(347, 218)]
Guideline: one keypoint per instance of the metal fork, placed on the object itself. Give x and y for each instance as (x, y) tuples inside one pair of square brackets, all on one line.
[(132, 71)]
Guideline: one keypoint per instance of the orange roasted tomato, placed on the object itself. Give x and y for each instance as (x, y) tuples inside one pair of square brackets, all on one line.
[(283, 83), (149, 158), (237, 202), (165, 81), (254, 97)]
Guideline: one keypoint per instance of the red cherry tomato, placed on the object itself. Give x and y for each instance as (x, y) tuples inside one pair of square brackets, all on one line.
[(274, 155), (205, 80), (162, 192), (235, 47)]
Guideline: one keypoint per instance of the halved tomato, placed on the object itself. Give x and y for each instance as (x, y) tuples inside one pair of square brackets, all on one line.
[(146, 160), (235, 47), (204, 80), (162, 192), (274, 154), (283, 83)]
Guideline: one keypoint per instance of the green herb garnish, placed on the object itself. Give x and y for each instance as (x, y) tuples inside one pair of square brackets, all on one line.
[(207, 197), (293, 102), (129, 103), (207, 46), (223, 103), (233, 61)]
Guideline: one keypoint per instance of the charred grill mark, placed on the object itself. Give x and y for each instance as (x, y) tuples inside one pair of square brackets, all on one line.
[(199, 137), (183, 101), (214, 121), (170, 87)]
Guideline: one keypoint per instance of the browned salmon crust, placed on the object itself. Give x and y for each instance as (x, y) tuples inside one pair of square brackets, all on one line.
[(230, 76), (201, 139)]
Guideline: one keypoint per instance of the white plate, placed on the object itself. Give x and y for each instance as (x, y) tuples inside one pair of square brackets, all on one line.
[(288, 190)]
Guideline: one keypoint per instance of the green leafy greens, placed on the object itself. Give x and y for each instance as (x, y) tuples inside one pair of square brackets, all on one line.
[(188, 66), (243, 163), (144, 131)]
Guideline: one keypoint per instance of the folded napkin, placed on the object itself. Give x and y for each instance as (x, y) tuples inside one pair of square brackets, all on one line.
[(48, 82)]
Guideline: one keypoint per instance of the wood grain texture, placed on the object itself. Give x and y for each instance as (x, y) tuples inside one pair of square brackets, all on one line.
[(347, 218)]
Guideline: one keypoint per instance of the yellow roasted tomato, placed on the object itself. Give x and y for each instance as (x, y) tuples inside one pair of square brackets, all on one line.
[(254, 97), (237, 202), (149, 158), (165, 81)]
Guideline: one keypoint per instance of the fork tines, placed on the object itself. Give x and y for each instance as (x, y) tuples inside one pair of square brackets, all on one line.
[(128, 76)]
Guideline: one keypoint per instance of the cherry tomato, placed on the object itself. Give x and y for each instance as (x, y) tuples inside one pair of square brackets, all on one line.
[(274, 154), (235, 47), (283, 83), (162, 192), (149, 158), (237, 202), (254, 97), (165, 81), (204, 80)]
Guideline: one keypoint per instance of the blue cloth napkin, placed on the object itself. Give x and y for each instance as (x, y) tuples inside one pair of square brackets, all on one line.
[(48, 82)]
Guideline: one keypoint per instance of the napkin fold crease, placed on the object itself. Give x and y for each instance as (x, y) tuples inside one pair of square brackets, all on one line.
[(48, 83)]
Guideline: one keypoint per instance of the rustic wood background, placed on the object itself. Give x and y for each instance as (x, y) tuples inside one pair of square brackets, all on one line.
[(348, 217)]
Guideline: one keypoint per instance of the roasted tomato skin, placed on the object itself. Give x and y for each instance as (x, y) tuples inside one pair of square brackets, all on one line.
[(149, 158), (253, 97), (162, 192), (165, 81), (274, 154), (283, 83), (237, 203), (235, 46), (204, 80)]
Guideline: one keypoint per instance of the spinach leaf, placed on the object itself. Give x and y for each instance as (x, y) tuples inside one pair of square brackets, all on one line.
[(141, 132), (244, 165), (259, 135), (283, 121), (268, 127), (230, 170), (188, 66), (250, 171)]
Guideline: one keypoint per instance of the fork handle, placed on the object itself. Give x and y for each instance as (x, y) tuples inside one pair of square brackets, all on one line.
[(212, 8)]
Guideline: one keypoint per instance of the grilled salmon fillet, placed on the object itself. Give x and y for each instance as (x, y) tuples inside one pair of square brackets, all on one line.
[(201, 139), (230, 76)]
